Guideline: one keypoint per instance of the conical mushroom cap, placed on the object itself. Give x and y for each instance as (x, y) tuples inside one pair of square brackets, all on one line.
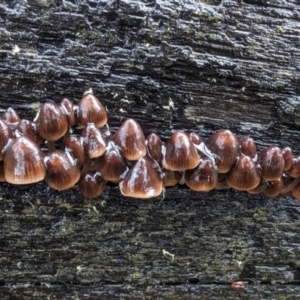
[(6, 135), (130, 138), (180, 153), (62, 173), (244, 175), (224, 144), (93, 141), (24, 162), (91, 184), (203, 178), (91, 110), (52, 123), (111, 165), (272, 163), (142, 181)]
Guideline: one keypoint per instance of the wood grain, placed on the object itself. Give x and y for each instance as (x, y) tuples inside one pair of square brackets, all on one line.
[(188, 65)]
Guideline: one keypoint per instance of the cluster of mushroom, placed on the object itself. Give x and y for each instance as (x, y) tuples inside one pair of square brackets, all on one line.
[(141, 166)]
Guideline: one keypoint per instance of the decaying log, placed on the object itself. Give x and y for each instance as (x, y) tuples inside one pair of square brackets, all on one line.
[(188, 65)]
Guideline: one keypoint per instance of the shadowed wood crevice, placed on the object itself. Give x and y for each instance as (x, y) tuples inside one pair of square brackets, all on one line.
[(171, 65)]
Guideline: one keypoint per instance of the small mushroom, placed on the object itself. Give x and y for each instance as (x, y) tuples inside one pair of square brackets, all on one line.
[(62, 172), (67, 108), (111, 165), (6, 136), (91, 184), (272, 163), (154, 146), (244, 175), (29, 129), (74, 145), (142, 180), (91, 110), (247, 146), (93, 141), (179, 153), (203, 178), (224, 144), (24, 162), (11, 118), (130, 138)]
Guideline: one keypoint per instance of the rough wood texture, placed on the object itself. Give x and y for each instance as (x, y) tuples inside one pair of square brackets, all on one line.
[(171, 65)]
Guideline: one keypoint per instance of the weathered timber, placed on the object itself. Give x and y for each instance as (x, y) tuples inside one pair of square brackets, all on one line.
[(189, 65)]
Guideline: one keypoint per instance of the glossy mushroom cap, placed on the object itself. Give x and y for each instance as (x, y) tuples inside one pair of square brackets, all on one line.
[(29, 129), (93, 141), (91, 185), (247, 146), (91, 110), (224, 144), (111, 165), (288, 158), (142, 181), (272, 163), (195, 138), (203, 178), (74, 145), (61, 173), (295, 168), (179, 153), (67, 108), (130, 138), (24, 162), (6, 136), (274, 187), (244, 175), (11, 117), (52, 123), (154, 146)]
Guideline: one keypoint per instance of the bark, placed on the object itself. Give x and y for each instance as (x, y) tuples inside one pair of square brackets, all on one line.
[(188, 65)]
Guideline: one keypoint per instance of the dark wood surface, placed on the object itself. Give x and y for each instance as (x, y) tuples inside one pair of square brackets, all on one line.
[(188, 65)]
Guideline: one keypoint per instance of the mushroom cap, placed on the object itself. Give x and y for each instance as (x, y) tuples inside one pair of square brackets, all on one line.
[(247, 146), (274, 187), (244, 175), (225, 145), (52, 123), (272, 163), (195, 138), (130, 138), (91, 110), (93, 142), (295, 169), (67, 108), (6, 136), (24, 162), (203, 178), (142, 181), (29, 129), (111, 165), (91, 184), (179, 153), (154, 146), (288, 158), (11, 117), (74, 145), (61, 173), (296, 191)]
